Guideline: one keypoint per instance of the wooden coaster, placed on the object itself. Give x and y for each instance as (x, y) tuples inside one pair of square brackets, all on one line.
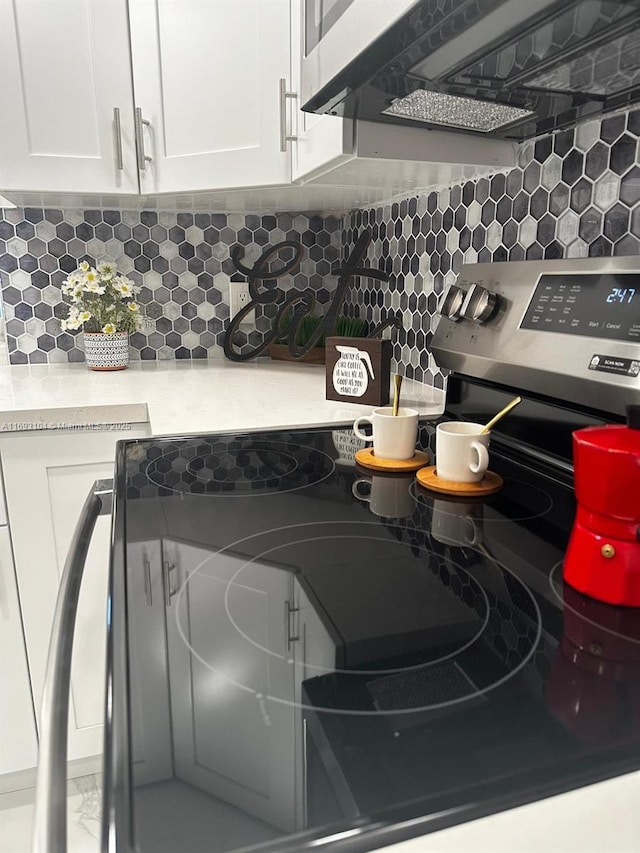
[(428, 478), (366, 458)]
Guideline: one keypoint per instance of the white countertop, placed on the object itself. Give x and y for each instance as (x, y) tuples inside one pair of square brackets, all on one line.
[(601, 818), (177, 397)]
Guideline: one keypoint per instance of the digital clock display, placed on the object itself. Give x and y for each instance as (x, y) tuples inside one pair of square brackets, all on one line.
[(597, 305), (621, 295)]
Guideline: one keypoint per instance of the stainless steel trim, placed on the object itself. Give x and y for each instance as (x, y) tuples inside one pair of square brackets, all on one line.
[(360, 25), (117, 821), (284, 94), (143, 158), (117, 129), (50, 823)]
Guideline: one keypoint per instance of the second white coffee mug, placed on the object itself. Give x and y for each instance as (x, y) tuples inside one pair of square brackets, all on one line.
[(457, 523), (394, 437), (461, 452)]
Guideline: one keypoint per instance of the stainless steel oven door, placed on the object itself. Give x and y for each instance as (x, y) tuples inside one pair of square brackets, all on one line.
[(337, 31)]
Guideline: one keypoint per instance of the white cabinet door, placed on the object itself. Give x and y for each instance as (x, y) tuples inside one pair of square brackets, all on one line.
[(65, 69), (206, 78), (231, 740), (323, 142), (18, 747), (47, 478)]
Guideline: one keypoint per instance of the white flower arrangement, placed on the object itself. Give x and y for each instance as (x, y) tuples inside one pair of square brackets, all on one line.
[(101, 300)]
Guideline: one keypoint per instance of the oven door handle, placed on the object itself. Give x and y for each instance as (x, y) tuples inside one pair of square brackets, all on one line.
[(50, 823)]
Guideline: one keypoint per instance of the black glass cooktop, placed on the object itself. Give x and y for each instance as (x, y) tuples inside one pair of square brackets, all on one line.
[(318, 651)]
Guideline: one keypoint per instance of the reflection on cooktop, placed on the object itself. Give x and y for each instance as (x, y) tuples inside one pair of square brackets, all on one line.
[(238, 466), (516, 501), (441, 637), (618, 622), (594, 684)]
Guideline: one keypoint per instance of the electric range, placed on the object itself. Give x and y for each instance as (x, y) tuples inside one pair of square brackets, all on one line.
[(306, 653)]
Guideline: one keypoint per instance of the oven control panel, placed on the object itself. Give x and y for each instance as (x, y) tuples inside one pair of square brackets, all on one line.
[(603, 305), (568, 329)]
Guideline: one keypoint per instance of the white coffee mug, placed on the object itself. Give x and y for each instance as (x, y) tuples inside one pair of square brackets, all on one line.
[(393, 437), (459, 524), (387, 496), (461, 452)]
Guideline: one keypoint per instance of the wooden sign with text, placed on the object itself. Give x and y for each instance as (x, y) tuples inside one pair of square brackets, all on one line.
[(358, 370)]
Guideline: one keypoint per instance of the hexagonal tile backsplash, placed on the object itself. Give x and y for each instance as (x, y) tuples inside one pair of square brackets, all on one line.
[(574, 194), (180, 260)]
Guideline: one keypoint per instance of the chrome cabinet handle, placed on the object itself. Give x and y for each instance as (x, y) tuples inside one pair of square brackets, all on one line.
[(305, 774), (147, 578), (284, 94), (167, 569), (50, 823), (117, 129), (143, 158), (288, 611)]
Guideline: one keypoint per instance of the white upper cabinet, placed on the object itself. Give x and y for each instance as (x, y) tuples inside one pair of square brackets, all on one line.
[(66, 98), (322, 142), (207, 80)]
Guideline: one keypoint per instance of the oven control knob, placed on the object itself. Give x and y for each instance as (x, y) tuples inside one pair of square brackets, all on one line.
[(480, 304), (451, 303)]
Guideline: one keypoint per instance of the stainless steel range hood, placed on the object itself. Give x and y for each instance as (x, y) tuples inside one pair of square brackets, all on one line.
[(507, 68)]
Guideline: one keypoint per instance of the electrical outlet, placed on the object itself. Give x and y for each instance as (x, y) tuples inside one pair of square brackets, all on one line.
[(147, 325), (238, 298)]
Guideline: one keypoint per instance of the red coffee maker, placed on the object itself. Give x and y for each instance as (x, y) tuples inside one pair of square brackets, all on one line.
[(603, 557)]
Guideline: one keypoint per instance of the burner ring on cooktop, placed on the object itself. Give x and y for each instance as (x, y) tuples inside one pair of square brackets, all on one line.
[(507, 497), (239, 467), (525, 615)]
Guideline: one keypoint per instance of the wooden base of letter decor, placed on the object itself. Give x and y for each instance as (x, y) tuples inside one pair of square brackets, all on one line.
[(358, 370), (280, 352)]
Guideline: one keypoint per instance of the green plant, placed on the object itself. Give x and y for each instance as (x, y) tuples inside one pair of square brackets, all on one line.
[(346, 327)]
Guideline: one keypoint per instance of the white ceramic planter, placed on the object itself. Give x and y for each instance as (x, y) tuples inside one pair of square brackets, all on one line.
[(106, 352)]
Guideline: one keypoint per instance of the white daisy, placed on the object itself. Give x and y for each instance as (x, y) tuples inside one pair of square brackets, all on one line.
[(73, 323), (124, 288), (107, 269), (109, 329)]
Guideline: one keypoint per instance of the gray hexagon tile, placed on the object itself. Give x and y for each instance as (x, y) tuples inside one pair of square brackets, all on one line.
[(180, 260), (574, 194)]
